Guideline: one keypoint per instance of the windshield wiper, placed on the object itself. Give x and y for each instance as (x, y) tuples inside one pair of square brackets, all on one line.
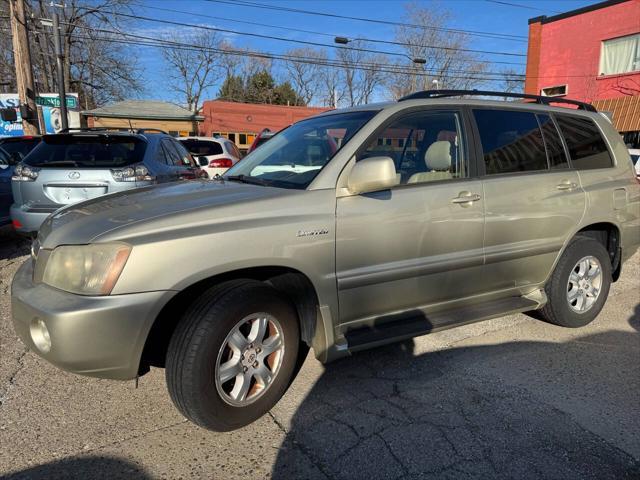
[(248, 179)]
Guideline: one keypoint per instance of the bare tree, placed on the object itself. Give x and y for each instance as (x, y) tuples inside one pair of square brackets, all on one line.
[(360, 72), (445, 63), (305, 77), (511, 83), (97, 68), (193, 71)]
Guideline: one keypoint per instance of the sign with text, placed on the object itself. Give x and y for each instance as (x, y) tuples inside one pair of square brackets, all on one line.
[(49, 103)]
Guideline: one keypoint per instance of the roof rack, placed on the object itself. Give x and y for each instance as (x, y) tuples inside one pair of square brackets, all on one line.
[(487, 93), (83, 129)]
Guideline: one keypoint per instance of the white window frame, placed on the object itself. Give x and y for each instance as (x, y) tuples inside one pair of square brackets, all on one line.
[(635, 65)]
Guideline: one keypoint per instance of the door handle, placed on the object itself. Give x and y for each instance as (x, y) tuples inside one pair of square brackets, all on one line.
[(465, 199), (566, 185)]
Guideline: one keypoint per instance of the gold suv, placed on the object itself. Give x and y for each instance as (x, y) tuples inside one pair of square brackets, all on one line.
[(345, 231)]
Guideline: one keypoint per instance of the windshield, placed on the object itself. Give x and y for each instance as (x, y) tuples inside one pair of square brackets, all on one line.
[(202, 147), (292, 158), (87, 151)]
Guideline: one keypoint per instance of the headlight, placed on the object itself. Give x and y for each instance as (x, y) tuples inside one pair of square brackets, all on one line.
[(86, 269)]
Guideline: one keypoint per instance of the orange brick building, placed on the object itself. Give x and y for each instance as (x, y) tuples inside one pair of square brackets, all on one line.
[(241, 122)]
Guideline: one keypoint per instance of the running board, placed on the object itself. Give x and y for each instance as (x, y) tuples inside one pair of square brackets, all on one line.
[(394, 328)]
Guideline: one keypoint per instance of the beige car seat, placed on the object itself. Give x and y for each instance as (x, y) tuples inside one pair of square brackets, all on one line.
[(438, 161)]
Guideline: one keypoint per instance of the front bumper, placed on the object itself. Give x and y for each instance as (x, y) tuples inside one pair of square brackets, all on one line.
[(96, 336)]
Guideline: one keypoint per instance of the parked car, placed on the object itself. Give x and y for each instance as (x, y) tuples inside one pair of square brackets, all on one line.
[(6, 199), (635, 157), (263, 137), (19, 147), (214, 155), (70, 167), (435, 211)]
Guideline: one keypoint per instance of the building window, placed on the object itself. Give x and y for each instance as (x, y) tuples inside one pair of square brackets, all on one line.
[(232, 137), (243, 139), (557, 91), (387, 141), (620, 55), (380, 141), (215, 134)]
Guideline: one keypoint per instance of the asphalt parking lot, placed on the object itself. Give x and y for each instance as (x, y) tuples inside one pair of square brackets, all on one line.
[(509, 398)]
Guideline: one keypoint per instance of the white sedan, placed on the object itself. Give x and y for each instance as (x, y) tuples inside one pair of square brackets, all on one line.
[(215, 155)]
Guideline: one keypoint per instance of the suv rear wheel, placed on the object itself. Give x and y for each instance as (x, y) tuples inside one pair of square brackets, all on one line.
[(233, 355), (579, 285)]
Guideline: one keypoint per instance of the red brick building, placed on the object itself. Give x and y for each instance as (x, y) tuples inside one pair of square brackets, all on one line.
[(241, 122), (590, 54)]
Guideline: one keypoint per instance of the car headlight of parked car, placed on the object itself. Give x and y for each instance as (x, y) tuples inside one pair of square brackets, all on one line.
[(85, 269), (24, 173)]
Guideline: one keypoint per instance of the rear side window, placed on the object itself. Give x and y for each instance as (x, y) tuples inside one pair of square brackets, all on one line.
[(202, 147), (87, 151), (586, 146), (553, 142), (511, 141)]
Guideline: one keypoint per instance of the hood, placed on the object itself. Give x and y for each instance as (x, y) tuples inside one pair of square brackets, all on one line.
[(149, 210)]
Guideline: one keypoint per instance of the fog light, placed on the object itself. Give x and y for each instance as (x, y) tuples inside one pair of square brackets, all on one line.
[(40, 335)]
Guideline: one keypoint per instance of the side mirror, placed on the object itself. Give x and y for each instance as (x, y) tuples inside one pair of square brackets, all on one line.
[(202, 161), (372, 174)]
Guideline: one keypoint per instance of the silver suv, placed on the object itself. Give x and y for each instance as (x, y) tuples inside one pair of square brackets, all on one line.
[(346, 231), (71, 167)]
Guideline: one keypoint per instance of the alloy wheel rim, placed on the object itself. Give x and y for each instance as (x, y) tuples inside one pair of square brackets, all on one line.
[(584, 284), (249, 359)]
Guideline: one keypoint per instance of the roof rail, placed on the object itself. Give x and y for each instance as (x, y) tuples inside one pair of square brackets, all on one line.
[(487, 93)]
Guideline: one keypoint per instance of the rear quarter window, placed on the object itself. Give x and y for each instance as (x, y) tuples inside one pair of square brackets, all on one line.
[(587, 148)]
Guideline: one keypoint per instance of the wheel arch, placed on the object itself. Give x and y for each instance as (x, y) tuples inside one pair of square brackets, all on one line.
[(292, 283), (605, 232)]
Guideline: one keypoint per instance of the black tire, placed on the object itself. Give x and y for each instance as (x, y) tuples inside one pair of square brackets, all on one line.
[(198, 338), (557, 309)]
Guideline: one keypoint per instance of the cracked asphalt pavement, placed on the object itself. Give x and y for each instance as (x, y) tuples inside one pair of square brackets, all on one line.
[(509, 398)]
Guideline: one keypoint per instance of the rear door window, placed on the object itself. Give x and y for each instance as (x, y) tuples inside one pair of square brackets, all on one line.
[(87, 151), (511, 141), (171, 153), (587, 148)]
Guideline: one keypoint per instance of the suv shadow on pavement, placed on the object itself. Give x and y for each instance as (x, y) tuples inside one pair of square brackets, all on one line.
[(89, 467), (510, 410)]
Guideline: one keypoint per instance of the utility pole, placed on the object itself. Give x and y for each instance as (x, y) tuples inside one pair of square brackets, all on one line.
[(60, 67), (24, 72)]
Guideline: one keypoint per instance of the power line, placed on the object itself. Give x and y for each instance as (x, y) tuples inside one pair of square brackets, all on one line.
[(518, 5), (258, 35), (244, 3), (141, 40), (333, 35)]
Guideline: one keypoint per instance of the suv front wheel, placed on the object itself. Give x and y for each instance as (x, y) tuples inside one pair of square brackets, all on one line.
[(579, 285), (233, 354)]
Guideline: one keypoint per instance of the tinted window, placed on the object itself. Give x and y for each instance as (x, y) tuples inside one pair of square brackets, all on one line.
[(21, 147), (587, 148), (511, 141), (553, 142), (424, 146), (87, 151), (185, 156), (202, 147), (171, 153)]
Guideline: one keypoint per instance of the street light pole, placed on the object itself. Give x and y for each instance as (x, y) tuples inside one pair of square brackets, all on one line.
[(60, 67)]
